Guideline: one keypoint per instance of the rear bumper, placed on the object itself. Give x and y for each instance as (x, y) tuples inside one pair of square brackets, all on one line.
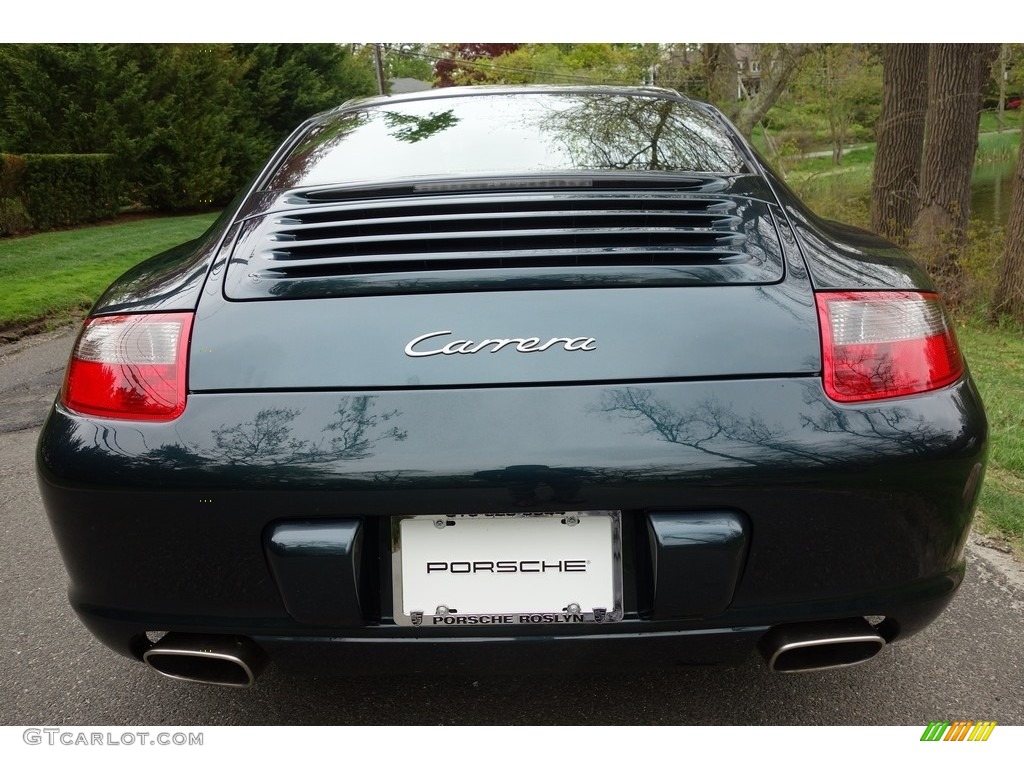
[(631, 644), (843, 511)]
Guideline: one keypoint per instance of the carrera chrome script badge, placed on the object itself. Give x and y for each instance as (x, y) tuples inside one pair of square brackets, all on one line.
[(419, 347)]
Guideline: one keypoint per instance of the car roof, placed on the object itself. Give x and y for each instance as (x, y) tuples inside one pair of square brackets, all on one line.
[(505, 90)]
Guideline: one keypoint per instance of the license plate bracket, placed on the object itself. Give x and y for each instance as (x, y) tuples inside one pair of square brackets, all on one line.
[(507, 569)]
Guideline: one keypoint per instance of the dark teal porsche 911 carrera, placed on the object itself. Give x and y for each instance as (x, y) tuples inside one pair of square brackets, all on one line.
[(554, 376)]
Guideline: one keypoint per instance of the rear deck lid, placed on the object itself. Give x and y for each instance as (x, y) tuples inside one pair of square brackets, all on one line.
[(702, 231), (508, 288), (551, 236)]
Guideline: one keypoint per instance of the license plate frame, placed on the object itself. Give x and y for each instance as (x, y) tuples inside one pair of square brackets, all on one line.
[(507, 569)]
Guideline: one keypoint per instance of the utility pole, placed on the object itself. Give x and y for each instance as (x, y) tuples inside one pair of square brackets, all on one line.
[(380, 68)]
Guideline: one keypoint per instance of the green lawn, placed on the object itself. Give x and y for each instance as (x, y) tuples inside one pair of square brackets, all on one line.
[(54, 276), (990, 120), (996, 358)]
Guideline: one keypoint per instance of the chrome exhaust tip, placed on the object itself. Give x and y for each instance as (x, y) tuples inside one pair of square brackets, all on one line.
[(820, 645), (212, 659)]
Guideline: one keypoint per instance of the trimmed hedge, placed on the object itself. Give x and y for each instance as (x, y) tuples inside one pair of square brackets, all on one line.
[(13, 217), (48, 191)]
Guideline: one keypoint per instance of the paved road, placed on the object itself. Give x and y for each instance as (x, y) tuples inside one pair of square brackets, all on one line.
[(968, 665), (30, 374)]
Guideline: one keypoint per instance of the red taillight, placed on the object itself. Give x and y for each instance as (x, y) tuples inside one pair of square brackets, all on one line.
[(129, 367), (884, 344)]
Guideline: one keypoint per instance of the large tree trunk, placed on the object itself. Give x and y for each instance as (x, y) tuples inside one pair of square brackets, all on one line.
[(955, 75), (720, 76), (1009, 298), (894, 193)]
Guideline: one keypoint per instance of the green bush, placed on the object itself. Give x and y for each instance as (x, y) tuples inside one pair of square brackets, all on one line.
[(47, 191), (11, 169), (13, 218), (188, 124)]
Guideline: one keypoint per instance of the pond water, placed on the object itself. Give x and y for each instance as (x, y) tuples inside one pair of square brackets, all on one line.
[(992, 191)]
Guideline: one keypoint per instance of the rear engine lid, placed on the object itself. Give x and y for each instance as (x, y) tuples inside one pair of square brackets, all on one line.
[(504, 338), (331, 289), (695, 233)]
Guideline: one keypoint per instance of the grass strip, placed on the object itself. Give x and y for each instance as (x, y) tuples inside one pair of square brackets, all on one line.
[(996, 359), (57, 275)]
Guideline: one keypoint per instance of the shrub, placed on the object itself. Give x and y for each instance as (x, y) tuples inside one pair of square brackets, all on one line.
[(11, 169), (63, 190), (14, 219), (47, 191)]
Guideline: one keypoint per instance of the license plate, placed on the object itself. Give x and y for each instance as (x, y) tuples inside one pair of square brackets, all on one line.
[(482, 570)]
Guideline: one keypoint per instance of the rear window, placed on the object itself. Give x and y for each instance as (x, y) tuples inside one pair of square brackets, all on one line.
[(505, 134)]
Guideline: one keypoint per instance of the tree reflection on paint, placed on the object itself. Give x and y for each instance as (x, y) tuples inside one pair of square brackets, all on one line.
[(267, 438), (715, 428)]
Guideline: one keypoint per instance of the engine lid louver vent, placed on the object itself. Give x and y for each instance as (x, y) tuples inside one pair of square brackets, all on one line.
[(497, 241)]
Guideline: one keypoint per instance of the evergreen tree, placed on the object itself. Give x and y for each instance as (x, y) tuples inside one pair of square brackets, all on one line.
[(188, 124)]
